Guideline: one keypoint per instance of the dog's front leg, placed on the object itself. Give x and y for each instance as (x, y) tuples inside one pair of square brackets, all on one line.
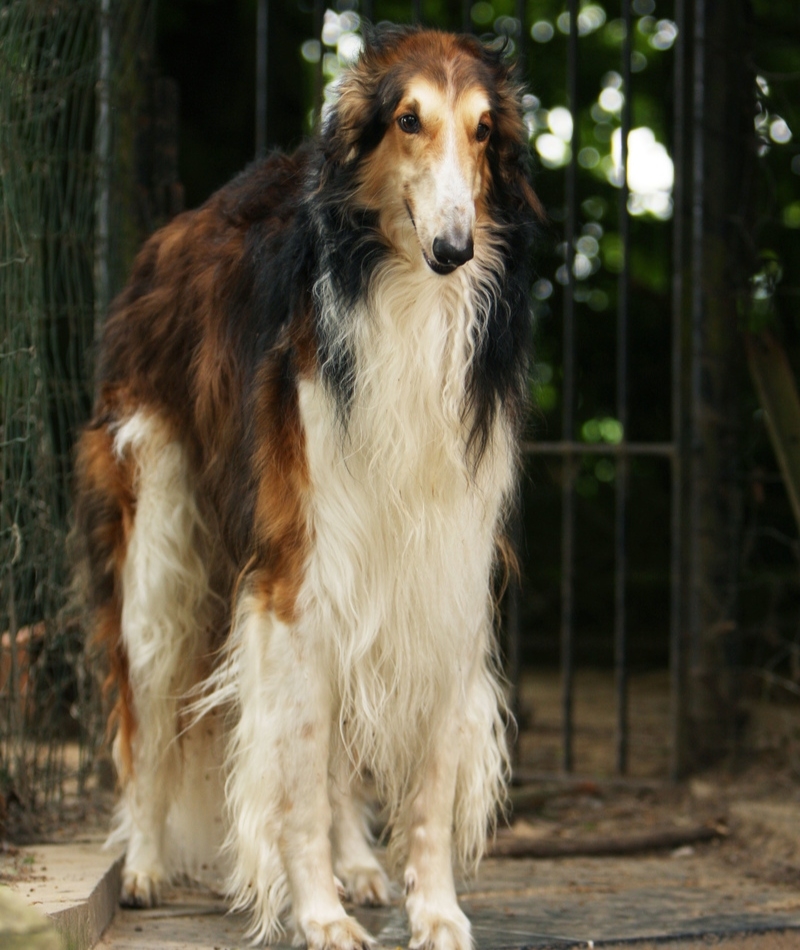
[(278, 785), (436, 920), (363, 879), (305, 841)]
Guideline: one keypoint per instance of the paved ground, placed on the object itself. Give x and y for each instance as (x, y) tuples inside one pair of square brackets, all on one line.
[(22, 927), (739, 892), (72, 885), (535, 904), (685, 900)]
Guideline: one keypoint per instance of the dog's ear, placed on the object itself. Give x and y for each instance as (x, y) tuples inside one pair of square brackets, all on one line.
[(365, 98), (512, 156), (352, 110), (514, 169)]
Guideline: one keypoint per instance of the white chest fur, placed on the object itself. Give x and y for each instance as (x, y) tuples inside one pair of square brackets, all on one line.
[(403, 527)]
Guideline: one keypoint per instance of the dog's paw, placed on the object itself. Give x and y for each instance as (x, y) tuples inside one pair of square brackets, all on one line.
[(140, 889), (365, 885), (431, 930), (343, 933)]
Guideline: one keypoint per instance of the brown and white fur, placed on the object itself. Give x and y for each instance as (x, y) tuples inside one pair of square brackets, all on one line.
[(291, 501)]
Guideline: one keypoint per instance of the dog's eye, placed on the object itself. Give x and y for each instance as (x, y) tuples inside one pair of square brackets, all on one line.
[(482, 132), (409, 123)]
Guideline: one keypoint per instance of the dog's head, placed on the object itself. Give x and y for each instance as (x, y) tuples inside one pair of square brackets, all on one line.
[(427, 133)]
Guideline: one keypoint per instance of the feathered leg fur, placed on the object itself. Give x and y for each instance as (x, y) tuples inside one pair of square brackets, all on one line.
[(164, 589), (278, 784)]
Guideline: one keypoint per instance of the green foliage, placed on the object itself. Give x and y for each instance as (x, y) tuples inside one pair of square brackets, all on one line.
[(777, 122)]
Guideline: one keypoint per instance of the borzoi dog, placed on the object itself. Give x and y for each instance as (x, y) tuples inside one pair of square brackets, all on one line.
[(292, 498)]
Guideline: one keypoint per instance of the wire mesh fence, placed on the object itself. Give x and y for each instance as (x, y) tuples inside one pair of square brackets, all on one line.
[(49, 165)]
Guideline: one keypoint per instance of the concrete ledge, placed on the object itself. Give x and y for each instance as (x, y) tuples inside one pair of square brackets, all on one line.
[(76, 885), (22, 927)]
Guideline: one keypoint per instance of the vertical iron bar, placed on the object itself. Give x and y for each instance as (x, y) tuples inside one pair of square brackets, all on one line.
[(513, 593), (678, 263), (366, 10), (416, 12), (622, 468), (466, 16), (697, 309), (522, 46), (261, 78), (102, 207), (319, 8), (568, 495)]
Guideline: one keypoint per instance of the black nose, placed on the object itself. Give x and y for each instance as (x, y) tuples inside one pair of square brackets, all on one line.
[(448, 255)]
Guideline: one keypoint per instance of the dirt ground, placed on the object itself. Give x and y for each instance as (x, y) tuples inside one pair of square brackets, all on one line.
[(753, 801)]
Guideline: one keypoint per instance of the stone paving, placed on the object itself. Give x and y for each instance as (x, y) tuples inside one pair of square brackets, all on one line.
[(22, 927), (679, 899), (518, 904)]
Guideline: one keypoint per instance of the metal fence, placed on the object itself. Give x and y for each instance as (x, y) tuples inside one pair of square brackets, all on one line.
[(50, 720), (569, 448), (46, 187)]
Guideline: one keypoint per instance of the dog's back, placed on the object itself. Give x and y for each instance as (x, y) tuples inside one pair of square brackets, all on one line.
[(292, 493)]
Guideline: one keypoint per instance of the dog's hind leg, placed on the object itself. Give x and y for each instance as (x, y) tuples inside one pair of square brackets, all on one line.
[(164, 585)]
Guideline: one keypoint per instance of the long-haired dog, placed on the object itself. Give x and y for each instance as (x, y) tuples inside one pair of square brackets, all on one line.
[(292, 495)]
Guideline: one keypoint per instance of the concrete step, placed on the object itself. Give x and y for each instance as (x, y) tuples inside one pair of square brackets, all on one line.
[(22, 927), (74, 886)]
